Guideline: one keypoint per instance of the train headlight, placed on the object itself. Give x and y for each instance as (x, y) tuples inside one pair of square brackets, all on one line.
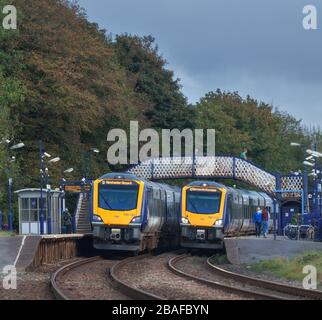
[(97, 218), (218, 223), (185, 220), (136, 220)]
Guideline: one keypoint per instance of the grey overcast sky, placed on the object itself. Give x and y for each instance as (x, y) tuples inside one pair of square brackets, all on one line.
[(256, 47)]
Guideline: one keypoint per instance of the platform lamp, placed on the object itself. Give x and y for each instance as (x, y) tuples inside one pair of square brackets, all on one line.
[(314, 154), (87, 158), (10, 183), (67, 171), (48, 190), (305, 174)]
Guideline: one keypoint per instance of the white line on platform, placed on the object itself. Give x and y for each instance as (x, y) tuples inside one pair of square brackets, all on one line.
[(19, 252)]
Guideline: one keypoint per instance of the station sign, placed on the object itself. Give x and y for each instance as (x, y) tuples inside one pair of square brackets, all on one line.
[(76, 187)]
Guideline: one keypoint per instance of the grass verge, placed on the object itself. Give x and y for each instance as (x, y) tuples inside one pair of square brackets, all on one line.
[(292, 269), (6, 234)]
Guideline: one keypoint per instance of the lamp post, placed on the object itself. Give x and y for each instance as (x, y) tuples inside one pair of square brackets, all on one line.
[(68, 171), (42, 154), (10, 216), (48, 191), (305, 174), (48, 202), (10, 182), (315, 154), (41, 215), (86, 159)]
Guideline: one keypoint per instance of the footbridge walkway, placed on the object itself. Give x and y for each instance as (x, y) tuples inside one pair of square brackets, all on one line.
[(224, 167)]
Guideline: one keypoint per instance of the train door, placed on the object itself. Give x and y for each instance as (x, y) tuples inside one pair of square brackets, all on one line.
[(246, 213), (240, 211), (229, 223)]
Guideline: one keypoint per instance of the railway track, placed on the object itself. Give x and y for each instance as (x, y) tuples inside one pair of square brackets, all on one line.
[(118, 279), (243, 285), (144, 277), (270, 285), (157, 282), (217, 284), (58, 291), (125, 289)]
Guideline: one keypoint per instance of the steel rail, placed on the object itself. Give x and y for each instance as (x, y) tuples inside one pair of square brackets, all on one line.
[(57, 290), (126, 288), (218, 285), (278, 287)]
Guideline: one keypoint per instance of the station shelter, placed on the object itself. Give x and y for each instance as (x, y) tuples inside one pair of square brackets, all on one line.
[(29, 203)]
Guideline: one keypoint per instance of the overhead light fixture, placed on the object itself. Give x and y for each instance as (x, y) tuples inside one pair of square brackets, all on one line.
[(307, 163), (17, 146), (314, 153), (295, 144), (54, 160), (95, 150)]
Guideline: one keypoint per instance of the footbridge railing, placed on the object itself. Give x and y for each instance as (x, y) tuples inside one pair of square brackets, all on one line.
[(217, 167)]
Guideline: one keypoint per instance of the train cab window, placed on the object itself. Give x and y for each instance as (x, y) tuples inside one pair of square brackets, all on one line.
[(203, 202), (118, 197)]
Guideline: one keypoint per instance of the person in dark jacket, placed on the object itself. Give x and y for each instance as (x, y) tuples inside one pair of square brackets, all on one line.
[(67, 221), (257, 219)]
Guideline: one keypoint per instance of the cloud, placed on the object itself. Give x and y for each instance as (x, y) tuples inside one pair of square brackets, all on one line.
[(254, 47)]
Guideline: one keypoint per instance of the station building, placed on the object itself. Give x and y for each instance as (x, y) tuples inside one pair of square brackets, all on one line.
[(29, 203)]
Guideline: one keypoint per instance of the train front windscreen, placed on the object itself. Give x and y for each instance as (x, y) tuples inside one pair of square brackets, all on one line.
[(203, 202), (118, 197)]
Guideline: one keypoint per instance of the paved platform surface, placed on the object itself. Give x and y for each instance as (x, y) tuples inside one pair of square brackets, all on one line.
[(19, 251), (248, 250), (9, 248)]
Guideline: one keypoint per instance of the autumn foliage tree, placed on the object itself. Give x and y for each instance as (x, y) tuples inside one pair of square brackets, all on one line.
[(64, 81)]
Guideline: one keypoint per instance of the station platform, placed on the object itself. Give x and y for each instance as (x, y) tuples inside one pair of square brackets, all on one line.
[(27, 252), (18, 251), (249, 249)]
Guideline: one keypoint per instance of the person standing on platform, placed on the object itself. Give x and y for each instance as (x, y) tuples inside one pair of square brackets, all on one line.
[(257, 219), (265, 220), (67, 221)]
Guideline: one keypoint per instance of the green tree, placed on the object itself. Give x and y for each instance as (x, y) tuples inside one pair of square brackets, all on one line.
[(148, 76), (246, 123)]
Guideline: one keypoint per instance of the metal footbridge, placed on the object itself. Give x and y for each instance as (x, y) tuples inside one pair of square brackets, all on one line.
[(223, 167)]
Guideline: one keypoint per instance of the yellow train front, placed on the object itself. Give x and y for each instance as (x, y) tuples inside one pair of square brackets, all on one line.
[(211, 211), (134, 214), (202, 214)]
